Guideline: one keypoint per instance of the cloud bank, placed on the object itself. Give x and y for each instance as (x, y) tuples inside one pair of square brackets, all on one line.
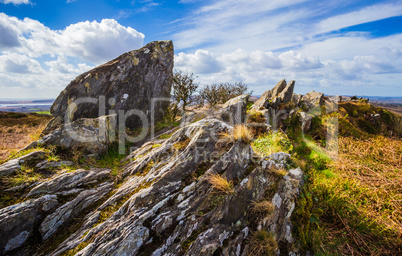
[(261, 42), (68, 52)]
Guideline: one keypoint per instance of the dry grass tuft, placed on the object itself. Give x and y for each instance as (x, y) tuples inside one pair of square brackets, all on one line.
[(264, 207), (262, 243), (240, 133), (221, 184), (280, 172)]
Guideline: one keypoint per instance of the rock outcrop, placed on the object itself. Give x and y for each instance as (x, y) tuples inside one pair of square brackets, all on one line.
[(280, 104), (90, 136), (313, 99), (281, 93), (165, 203), (129, 82)]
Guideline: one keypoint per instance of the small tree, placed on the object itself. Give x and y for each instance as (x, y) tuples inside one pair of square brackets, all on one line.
[(183, 88), (210, 94)]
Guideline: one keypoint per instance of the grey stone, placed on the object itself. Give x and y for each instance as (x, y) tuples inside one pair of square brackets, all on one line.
[(268, 96), (14, 165), (10, 167), (72, 209), (305, 120), (313, 99), (70, 180), (234, 110), (46, 164), (17, 222), (129, 82), (287, 93), (91, 136)]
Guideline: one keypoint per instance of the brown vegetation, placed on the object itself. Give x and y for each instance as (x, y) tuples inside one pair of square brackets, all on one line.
[(17, 130)]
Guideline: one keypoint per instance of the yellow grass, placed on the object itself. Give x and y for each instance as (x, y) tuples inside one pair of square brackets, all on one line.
[(221, 184), (240, 133), (262, 243), (264, 207)]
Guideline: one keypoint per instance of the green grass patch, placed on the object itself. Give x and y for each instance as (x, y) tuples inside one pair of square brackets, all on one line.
[(270, 143)]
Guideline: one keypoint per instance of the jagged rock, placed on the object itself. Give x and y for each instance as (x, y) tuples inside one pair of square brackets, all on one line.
[(129, 82), (72, 209), (305, 120), (234, 110), (46, 164), (297, 99), (313, 99), (17, 222), (287, 93), (168, 206), (268, 98), (91, 136), (15, 164), (70, 180)]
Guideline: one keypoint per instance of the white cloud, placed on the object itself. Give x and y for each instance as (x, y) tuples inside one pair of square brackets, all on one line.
[(99, 42), (94, 41), (201, 62), (70, 52), (15, 2), (16, 63), (313, 66)]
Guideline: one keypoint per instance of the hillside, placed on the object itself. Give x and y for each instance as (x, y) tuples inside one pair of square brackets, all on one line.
[(288, 174)]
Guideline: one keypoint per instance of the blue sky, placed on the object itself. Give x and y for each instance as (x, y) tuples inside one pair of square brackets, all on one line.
[(336, 47)]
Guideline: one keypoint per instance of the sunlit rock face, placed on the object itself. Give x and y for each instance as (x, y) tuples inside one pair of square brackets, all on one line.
[(129, 82)]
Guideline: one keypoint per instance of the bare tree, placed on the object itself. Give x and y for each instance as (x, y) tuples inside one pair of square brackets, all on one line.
[(210, 94), (220, 93), (183, 88)]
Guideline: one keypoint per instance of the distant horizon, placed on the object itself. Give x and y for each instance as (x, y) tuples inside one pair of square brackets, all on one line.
[(53, 99)]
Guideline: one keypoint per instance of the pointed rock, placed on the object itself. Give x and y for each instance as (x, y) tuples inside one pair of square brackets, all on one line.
[(267, 97), (129, 82), (287, 93), (313, 99)]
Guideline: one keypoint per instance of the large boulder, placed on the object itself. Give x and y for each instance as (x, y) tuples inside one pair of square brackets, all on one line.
[(129, 82)]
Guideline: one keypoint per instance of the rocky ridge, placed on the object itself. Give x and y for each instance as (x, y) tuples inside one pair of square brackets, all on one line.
[(196, 190)]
